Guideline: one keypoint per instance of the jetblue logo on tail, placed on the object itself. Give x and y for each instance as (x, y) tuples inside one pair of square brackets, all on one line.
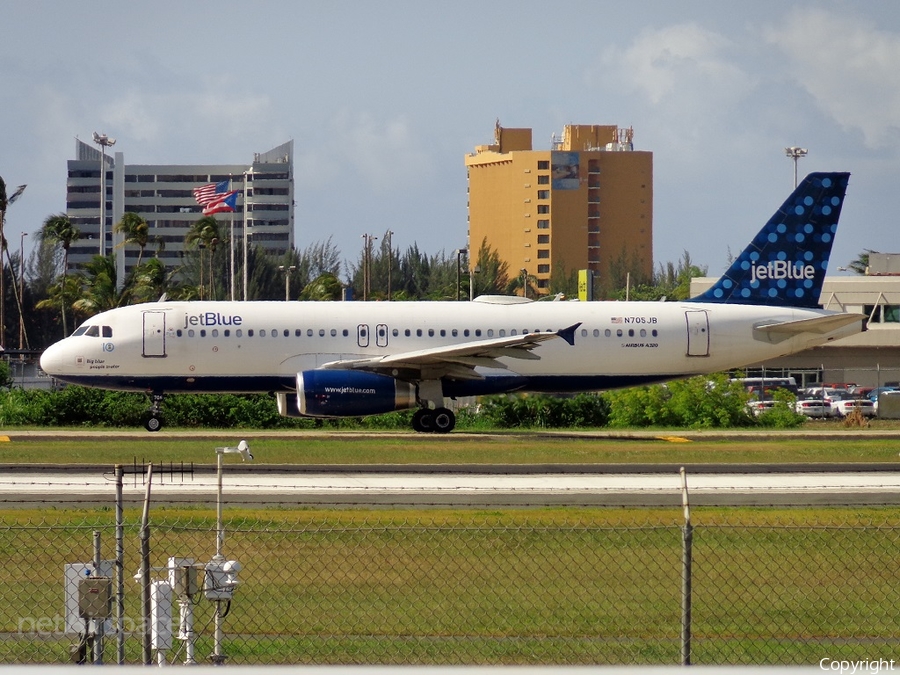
[(781, 269), (785, 263)]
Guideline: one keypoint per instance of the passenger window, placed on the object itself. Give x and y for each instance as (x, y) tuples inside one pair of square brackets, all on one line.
[(418, 332), (334, 332), (298, 332), (618, 332), (654, 333), (321, 332), (239, 333), (607, 332), (513, 332), (250, 333), (202, 332), (490, 332), (596, 332), (466, 332), (407, 332), (631, 332), (584, 332), (643, 333), (274, 332), (190, 332), (395, 332), (345, 332), (502, 333), (227, 333), (178, 332), (443, 333), (287, 333), (309, 332), (477, 332), (431, 332), (215, 332), (454, 333), (262, 333)]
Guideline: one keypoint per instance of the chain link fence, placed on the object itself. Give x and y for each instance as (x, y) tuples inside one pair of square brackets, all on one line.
[(511, 586)]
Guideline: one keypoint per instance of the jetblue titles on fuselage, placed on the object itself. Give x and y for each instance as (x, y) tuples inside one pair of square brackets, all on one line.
[(212, 319)]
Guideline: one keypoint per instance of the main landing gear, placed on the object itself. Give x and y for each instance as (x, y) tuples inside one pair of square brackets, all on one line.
[(439, 420), (153, 420)]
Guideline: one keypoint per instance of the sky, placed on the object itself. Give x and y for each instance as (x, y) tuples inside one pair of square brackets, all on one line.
[(383, 100)]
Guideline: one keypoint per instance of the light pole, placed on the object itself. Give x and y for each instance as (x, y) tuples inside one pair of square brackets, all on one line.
[(104, 142), (21, 289), (287, 280), (390, 251), (458, 253), (795, 154)]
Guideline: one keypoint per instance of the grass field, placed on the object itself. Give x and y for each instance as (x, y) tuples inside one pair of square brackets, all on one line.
[(496, 448)]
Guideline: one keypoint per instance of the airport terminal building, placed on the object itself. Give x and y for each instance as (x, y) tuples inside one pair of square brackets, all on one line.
[(162, 195)]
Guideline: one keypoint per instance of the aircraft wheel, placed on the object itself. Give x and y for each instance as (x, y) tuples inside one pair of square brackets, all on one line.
[(153, 422), (423, 420), (443, 421)]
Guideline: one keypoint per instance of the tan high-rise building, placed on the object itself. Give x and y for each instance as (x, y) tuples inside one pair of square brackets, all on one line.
[(587, 203)]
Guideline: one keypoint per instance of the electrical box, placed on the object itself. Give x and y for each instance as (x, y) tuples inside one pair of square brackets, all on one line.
[(73, 574), (183, 577), (220, 579), (161, 615), (94, 597)]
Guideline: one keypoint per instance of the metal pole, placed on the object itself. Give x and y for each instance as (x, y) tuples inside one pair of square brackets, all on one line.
[(246, 231), (686, 558), (147, 650), (220, 528), (98, 622), (21, 289), (120, 568)]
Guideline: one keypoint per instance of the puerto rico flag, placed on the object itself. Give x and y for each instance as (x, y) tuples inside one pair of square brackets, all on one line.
[(206, 194), (223, 204)]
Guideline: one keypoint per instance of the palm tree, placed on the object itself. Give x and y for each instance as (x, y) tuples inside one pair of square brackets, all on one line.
[(59, 229), (99, 292), (204, 233), (136, 231)]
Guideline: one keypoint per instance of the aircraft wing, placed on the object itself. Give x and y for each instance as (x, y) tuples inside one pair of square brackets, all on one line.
[(457, 361), (819, 324)]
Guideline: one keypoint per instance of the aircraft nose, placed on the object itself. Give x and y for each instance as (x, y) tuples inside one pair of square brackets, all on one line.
[(52, 359)]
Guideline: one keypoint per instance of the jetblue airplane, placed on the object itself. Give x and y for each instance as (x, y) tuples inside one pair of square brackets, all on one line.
[(350, 359)]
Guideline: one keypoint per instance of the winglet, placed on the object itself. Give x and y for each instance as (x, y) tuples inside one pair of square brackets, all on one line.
[(785, 263), (568, 334)]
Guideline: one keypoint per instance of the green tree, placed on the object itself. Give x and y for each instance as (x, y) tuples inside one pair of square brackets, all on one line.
[(136, 231), (492, 277), (861, 263), (99, 290), (204, 235), (324, 287), (58, 229)]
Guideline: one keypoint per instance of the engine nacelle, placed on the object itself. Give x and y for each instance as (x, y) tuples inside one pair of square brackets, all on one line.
[(349, 393)]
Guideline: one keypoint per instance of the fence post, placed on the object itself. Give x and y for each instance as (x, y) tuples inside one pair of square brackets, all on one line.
[(120, 567), (145, 572), (686, 553)]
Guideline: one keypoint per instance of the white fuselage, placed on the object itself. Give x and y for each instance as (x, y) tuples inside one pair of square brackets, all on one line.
[(261, 346)]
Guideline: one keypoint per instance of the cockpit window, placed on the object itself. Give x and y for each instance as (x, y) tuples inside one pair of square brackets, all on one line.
[(80, 331), (107, 331), (93, 331)]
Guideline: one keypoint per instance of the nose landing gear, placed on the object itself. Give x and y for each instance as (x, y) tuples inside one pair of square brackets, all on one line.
[(153, 420)]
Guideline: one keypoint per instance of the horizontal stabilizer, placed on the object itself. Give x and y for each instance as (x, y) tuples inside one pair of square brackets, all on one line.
[(819, 324)]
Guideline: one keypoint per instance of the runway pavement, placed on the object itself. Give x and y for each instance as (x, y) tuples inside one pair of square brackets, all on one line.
[(472, 486)]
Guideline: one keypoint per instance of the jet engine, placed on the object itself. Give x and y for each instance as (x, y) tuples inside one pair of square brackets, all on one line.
[(346, 393)]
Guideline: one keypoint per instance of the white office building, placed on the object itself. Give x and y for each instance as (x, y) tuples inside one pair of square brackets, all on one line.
[(162, 195)]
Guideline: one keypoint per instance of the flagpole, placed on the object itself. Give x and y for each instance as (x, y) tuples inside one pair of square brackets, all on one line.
[(246, 233), (231, 241)]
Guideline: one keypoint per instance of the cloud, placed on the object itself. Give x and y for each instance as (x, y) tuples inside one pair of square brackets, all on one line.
[(676, 63), (384, 155), (847, 65)]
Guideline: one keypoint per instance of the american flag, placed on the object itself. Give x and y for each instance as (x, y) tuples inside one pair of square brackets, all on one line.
[(210, 193), (222, 204), (616, 319)]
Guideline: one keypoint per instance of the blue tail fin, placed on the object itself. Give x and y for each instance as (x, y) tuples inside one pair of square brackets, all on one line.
[(785, 263)]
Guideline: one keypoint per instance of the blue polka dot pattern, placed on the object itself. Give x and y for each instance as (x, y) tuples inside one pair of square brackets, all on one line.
[(785, 263)]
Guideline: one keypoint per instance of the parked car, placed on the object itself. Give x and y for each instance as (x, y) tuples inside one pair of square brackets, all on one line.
[(875, 393), (814, 407), (759, 407), (844, 406)]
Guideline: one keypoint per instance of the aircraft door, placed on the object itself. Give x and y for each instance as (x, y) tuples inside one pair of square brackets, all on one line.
[(362, 335), (381, 335), (697, 332), (154, 345)]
